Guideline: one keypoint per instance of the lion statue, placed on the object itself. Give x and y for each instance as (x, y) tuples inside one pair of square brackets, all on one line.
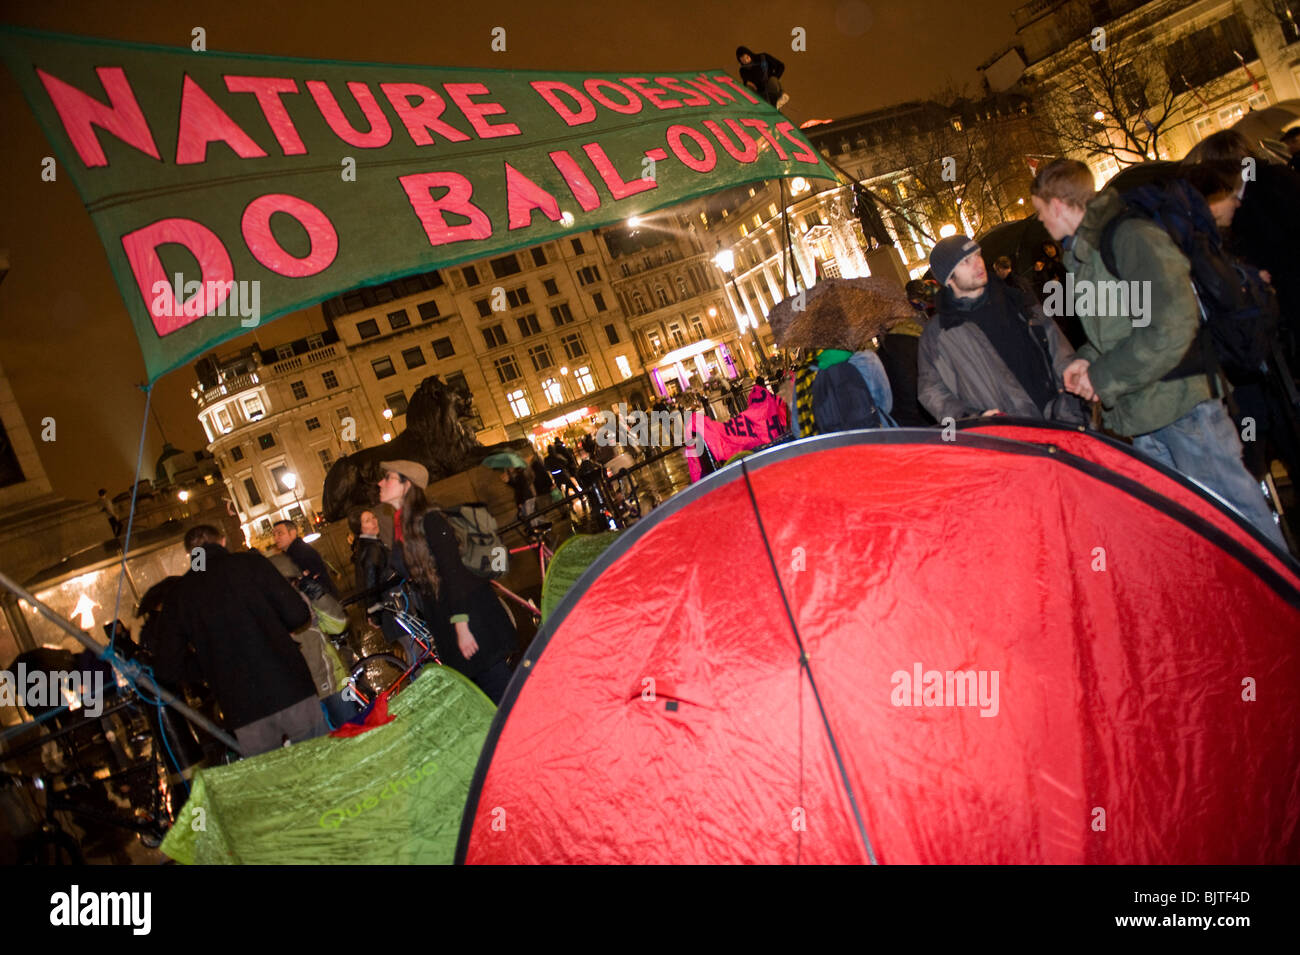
[(439, 434)]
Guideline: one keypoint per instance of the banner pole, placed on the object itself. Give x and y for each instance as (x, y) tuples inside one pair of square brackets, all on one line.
[(139, 675)]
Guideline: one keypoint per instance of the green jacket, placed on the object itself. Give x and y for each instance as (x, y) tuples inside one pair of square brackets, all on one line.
[(1128, 361)]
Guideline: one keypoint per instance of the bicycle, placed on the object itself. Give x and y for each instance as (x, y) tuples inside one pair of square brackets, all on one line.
[(383, 673)]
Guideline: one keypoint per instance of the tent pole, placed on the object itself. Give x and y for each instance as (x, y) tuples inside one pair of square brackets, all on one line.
[(84, 639)]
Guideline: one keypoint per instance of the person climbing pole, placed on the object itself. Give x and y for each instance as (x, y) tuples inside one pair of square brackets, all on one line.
[(762, 72)]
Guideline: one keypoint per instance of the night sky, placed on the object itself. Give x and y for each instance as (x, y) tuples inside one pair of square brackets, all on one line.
[(65, 340)]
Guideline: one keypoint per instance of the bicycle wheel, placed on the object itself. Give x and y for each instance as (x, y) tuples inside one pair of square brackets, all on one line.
[(377, 672)]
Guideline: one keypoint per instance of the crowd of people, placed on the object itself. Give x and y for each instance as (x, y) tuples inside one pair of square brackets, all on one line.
[(963, 343)]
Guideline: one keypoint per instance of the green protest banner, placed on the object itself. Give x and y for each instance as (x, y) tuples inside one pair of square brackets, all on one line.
[(229, 190)]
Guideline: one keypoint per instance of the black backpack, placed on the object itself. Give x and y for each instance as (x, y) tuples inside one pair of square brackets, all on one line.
[(842, 401), (1239, 309)]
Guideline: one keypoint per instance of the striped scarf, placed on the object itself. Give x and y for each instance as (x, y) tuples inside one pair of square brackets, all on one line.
[(803, 393)]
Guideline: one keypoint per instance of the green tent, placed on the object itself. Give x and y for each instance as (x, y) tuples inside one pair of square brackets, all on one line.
[(394, 794), (571, 558)]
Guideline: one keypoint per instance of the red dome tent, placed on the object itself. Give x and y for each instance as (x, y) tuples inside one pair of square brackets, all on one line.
[(884, 646)]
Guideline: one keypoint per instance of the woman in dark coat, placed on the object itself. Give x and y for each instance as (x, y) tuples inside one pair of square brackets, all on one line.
[(369, 555), (472, 631)]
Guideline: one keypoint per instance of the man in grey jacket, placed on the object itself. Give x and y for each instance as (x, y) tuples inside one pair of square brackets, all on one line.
[(987, 351)]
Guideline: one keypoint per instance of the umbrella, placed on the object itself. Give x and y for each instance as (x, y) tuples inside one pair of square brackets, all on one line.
[(504, 459), (839, 313), (1143, 174), (1021, 241), (1263, 127), (831, 709)]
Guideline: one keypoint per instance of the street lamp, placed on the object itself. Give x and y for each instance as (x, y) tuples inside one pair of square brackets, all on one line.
[(290, 481), (726, 261)]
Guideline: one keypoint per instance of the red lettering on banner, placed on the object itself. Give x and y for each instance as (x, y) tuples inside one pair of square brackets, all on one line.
[(79, 112), (593, 88), (201, 122), (802, 152), (419, 118), (653, 93), (767, 134), (474, 112), (576, 179), (141, 248), (617, 187), (256, 227), (547, 90), (523, 196), (710, 89), (268, 90), (748, 155), (740, 88), (419, 187), (379, 133), (710, 159), (693, 98)]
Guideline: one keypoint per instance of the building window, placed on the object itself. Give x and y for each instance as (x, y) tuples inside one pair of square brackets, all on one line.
[(484, 307), (325, 458), (456, 381), (1204, 126), (315, 341), (577, 246), (224, 420), (330, 379), (528, 325), (442, 348), (470, 274), (396, 402), (573, 346), (368, 329), (612, 334), (539, 256), (506, 265), (507, 368), (313, 424), (541, 356), (253, 408), (518, 403), (266, 441), (624, 368), (561, 314), (283, 351), (517, 297), (414, 357), (551, 286), (428, 310), (697, 327), (656, 343), (586, 383), (398, 319), (554, 394), (383, 367), (277, 479), (598, 300), (588, 274), (494, 336), (299, 391), (638, 303), (236, 453), (250, 488), (661, 295), (675, 333)]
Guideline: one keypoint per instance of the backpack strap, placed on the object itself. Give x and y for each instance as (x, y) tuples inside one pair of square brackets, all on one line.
[(1106, 243)]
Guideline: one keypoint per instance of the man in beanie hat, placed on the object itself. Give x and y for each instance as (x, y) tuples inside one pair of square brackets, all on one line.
[(988, 351)]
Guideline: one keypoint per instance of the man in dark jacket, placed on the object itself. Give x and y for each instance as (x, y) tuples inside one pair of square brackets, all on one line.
[(301, 553), (1176, 421), (237, 612), (762, 73), (987, 351)]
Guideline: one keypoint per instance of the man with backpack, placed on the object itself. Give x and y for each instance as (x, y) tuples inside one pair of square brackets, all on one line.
[(987, 351), (1128, 361)]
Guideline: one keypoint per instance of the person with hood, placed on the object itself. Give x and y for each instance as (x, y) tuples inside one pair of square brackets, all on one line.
[(761, 72), (897, 351), (1175, 422), (987, 351)]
